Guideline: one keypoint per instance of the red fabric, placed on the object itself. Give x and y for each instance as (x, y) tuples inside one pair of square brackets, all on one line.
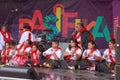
[(110, 55), (6, 39), (112, 37), (79, 34), (82, 30), (24, 48), (35, 56), (91, 37), (5, 53), (48, 56), (67, 58), (91, 52), (20, 47), (29, 36)]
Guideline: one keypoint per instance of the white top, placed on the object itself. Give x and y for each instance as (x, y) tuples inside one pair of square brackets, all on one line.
[(95, 53), (36, 55), (2, 42), (51, 51), (106, 53), (27, 50), (25, 37), (78, 51)]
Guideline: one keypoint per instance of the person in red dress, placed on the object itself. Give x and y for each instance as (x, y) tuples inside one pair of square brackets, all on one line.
[(34, 56), (21, 54), (5, 54)]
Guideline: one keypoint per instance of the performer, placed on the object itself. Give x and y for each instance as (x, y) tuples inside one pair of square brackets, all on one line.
[(21, 55), (82, 36), (5, 54), (91, 55), (5, 36), (72, 54), (27, 34), (53, 55), (34, 57), (109, 56)]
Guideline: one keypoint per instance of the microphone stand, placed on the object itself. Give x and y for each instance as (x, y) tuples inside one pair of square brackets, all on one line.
[(7, 18)]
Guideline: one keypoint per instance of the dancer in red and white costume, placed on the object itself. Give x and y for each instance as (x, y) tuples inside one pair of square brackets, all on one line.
[(5, 36), (53, 54), (109, 56), (34, 56), (5, 54), (27, 34), (91, 55), (82, 36), (21, 55), (72, 54)]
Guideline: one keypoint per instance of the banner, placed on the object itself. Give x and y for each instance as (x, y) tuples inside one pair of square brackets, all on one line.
[(60, 16)]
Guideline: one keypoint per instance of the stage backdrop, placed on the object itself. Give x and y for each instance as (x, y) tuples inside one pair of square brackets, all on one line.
[(61, 16)]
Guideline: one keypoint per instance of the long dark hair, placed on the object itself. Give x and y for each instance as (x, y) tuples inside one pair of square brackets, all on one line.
[(75, 41), (112, 41), (93, 43)]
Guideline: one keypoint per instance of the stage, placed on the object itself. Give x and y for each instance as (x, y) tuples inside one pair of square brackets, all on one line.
[(61, 74)]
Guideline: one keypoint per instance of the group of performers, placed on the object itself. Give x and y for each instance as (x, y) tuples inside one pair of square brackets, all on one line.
[(82, 50)]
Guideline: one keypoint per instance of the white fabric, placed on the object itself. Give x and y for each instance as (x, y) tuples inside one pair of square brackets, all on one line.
[(2, 42), (77, 52), (36, 56), (12, 51), (22, 49), (6, 51), (24, 37), (78, 39), (107, 58), (95, 53), (51, 51)]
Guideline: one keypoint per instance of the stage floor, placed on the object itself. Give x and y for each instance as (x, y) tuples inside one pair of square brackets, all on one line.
[(61, 74)]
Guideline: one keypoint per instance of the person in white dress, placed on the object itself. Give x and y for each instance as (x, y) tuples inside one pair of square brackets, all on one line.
[(53, 54), (5, 36), (27, 34), (109, 56), (91, 55), (72, 54)]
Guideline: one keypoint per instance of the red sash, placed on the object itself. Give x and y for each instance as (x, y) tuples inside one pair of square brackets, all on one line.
[(33, 55), (79, 34), (29, 34), (48, 56), (77, 37), (6, 52), (67, 58), (6, 39), (110, 55), (91, 51), (21, 46)]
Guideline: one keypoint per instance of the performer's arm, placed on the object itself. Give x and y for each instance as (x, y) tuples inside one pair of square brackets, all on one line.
[(57, 55)]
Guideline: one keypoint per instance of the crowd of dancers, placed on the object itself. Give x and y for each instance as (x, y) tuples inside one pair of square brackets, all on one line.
[(82, 52)]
